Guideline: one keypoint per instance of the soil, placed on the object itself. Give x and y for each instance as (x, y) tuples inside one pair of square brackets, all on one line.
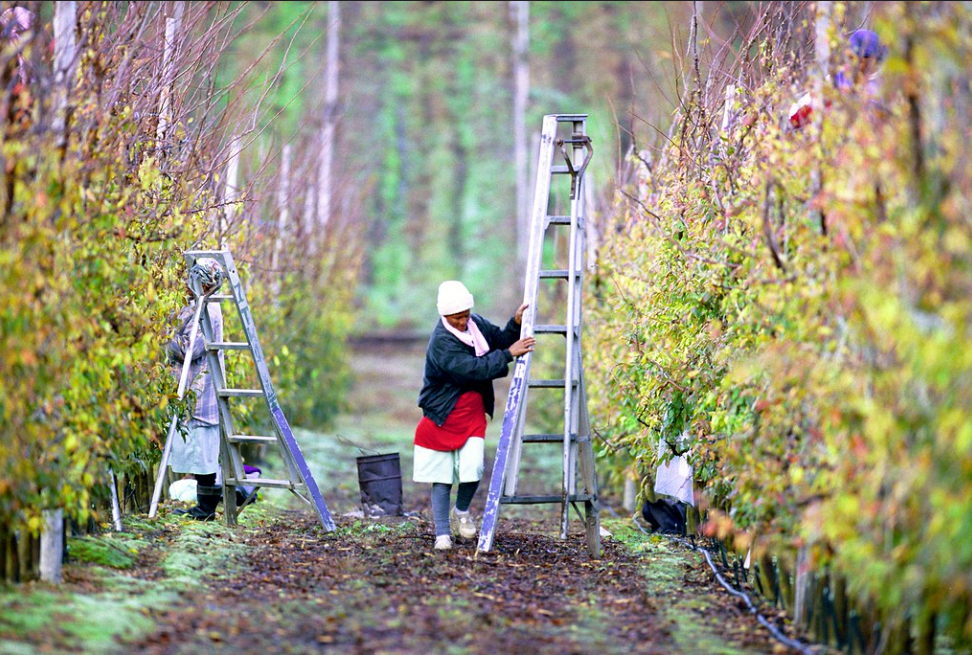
[(378, 587)]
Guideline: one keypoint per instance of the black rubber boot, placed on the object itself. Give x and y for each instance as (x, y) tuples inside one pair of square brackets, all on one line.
[(244, 499), (207, 499)]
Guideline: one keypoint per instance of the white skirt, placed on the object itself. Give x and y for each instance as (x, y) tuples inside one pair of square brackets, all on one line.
[(198, 452), (448, 466)]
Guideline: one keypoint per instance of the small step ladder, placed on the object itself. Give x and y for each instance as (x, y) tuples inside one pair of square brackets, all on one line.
[(299, 479), (576, 151)]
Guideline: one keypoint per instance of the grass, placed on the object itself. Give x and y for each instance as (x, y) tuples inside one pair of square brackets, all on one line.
[(665, 567), (115, 604), (113, 550)]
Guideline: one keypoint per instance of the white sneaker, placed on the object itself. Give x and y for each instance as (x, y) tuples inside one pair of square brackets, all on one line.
[(463, 523), (443, 542)]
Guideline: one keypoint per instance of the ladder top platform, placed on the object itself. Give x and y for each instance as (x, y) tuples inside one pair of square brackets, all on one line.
[(564, 118)]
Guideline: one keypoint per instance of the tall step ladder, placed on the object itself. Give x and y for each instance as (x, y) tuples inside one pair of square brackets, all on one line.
[(575, 149), (299, 479)]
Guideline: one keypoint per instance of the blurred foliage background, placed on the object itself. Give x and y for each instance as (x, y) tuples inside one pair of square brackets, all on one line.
[(789, 304)]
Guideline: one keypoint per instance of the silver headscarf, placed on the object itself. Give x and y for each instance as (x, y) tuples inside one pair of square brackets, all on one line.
[(208, 273)]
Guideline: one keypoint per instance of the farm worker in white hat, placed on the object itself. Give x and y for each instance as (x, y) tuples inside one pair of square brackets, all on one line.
[(465, 354)]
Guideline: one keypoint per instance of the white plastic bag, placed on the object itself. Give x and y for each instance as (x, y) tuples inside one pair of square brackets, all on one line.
[(184, 490), (674, 478)]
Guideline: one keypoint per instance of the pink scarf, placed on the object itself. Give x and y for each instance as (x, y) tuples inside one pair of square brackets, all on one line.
[(471, 337)]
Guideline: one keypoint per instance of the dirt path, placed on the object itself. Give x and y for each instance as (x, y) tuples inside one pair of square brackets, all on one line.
[(279, 584), (378, 587)]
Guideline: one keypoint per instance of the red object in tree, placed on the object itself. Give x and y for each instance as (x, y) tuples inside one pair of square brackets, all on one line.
[(800, 111)]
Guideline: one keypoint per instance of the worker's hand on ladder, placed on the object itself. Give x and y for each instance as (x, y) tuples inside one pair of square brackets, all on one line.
[(522, 347), (518, 317)]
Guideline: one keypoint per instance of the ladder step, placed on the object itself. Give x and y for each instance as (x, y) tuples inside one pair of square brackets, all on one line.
[(559, 220), (546, 438), (570, 118), (549, 384), (248, 438), (559, 274), (550, 329), (239, 393), (552, 438), (263, 482), (559, 170), (540, 500), (217, 297), (228, 345)]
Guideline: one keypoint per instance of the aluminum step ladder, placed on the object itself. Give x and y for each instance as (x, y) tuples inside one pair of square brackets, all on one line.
[(576, 150), (299, 479)]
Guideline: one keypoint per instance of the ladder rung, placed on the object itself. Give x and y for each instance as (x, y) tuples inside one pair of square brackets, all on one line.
[(539, 500), (570, 118), (546, 438), (558, 274), (262, 482), (550, 329), (216, 297), (249, 438), (549, 384), (240, 393), (559, 170), (552, 438), (559, 220), (228, 345)]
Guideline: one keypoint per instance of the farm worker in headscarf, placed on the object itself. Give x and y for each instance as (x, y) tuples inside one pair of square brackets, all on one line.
[(866, 55), (465, 354), (198, 453)]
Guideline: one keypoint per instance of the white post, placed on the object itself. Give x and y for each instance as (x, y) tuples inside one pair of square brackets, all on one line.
[(52, 545), (630, 493), (520, 12), (172, 25), (325, 182), (115, 505), (65, 61)]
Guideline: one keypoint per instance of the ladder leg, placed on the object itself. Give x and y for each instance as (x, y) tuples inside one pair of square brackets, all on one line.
[(227, 467), (163, 469), (516, 449), (510, 417), (592, 515)]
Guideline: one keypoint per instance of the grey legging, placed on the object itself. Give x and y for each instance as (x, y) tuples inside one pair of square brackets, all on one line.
[(441, 494)]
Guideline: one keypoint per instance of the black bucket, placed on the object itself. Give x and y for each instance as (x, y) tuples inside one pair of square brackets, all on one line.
[(380, 479)]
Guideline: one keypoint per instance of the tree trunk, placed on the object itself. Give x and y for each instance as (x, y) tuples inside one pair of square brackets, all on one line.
[(325, 180), (65, 62), (801, 586), (25, 557), (283, 218), (824, 11), (520, 12), (172, 27), (231, 191)]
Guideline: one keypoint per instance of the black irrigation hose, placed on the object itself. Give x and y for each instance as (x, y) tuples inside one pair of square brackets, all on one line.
[(795, 644)]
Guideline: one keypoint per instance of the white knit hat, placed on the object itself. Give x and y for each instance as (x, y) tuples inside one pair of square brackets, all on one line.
[(454, 297)]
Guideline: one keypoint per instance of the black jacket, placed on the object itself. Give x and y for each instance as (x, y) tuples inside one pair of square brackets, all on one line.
[(452, 368)]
